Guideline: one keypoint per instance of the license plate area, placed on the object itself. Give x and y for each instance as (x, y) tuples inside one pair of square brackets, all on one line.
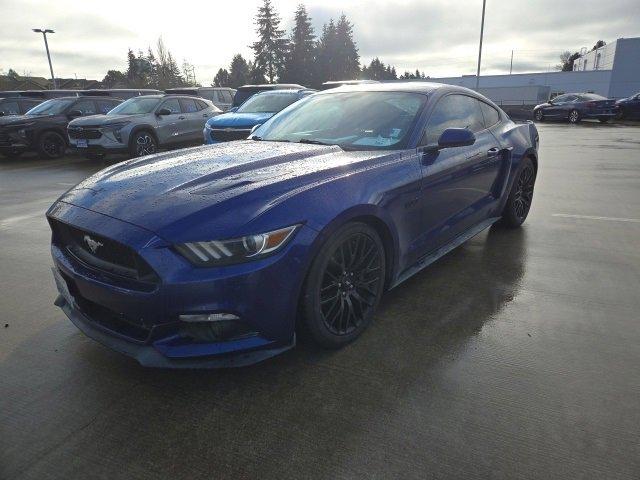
[(82, 143)]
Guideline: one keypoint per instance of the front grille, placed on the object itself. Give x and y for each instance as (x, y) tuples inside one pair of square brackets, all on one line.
[(102, 253), (229, 134), (84, 133)]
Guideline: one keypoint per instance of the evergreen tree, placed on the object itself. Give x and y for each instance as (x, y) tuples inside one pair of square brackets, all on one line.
[(271, 48), (174, 77), (377, 70), (326, 54), (347, 59), (115, 79), (256, 76), (239, 72), (221, 79), (299, 65)]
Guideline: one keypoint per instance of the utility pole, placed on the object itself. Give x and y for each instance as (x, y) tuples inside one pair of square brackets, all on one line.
[(46, 46), (511, 66), (484, 4)]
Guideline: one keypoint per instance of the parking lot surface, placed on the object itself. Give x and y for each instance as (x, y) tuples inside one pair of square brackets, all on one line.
[(515, 356)]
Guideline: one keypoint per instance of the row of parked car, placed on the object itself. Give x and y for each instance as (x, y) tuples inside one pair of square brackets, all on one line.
[(136, 122), (575, 107)]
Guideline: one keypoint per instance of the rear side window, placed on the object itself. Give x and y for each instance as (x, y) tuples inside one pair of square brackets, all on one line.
[(172, 105), (9, 108), (188, 105), (226, 94), (453, 111), (220, 96), (87, 107), (491, 115), (201, 105)]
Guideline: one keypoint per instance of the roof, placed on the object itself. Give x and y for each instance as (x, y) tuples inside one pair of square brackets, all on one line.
[(416, 87), (275, 86)]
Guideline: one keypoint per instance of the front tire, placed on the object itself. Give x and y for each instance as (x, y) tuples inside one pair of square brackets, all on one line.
[(344, 286), (574, 116), (519, 202), (538, 115), (51, 145), (143, 143)]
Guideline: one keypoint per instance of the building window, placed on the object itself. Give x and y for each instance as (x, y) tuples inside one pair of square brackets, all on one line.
[(597, 60)]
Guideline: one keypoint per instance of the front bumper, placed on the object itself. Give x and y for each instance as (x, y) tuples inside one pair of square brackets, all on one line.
[(12, 141), (234, 354), (104, 144), (142, 321)]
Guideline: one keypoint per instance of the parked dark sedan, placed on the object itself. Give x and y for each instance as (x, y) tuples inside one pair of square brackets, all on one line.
[(629, 107), (214, 256), (574, 107), (43, 129)]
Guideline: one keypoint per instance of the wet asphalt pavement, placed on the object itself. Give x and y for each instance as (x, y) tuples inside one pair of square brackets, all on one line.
[(516, 356)]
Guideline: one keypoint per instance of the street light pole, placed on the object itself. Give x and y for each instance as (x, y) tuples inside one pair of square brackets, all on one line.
[(46, 46), (484, 4)]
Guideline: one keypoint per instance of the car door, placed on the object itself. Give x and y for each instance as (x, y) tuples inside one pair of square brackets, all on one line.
[(171, 127), (457, 182), (561, 106), (194, 119)]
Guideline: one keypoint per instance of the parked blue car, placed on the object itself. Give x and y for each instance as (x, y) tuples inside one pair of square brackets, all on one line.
[(238, 122), (574, 107), (629, 107), (216, 255)]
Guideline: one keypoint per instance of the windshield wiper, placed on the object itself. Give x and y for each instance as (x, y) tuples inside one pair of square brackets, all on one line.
[(313, 142)]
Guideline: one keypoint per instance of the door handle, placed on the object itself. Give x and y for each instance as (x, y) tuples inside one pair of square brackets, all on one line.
[(181, 118), (205, 115), (493, 152)]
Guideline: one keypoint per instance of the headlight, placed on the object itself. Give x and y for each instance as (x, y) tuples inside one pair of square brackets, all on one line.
[(237, 250), (115, 128)]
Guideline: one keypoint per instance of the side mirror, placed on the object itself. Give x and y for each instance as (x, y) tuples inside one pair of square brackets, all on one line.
[(254, 128), (163, 111), (74, 113), (456, 137), (232, 109)]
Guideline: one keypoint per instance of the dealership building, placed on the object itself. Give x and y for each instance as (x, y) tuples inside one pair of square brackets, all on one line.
[(612, 71)]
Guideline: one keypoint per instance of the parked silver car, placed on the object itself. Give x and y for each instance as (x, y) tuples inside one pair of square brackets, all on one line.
[(142, 125), (221, 97)]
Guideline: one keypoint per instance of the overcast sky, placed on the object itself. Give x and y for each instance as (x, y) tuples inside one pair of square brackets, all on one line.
[(437, 36)]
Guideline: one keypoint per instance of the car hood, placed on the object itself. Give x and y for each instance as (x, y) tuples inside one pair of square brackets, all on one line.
[(212, 191), (239, 120), (20, 119), (97, 120)]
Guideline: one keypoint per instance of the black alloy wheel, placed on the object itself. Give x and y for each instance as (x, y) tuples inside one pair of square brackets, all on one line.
[(51, 145), (144, 143), (521, 196), (574, 116), (344, 285), (538, 115)]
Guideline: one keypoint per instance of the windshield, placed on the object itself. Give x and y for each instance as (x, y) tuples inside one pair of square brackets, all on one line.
[(268, 103), (135, 106), (357, 120), (51, 107)]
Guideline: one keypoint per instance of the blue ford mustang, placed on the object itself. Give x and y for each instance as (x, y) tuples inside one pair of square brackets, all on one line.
[(217, 255)]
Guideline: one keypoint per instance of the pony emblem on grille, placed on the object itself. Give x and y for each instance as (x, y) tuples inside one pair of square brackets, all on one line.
[(92, 244)]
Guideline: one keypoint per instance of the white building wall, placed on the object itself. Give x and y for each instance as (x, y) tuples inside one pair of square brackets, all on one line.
[(600, 59)]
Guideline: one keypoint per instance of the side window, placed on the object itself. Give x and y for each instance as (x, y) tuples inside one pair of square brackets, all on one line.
[(172, 105), (104, 106), (453, 111), (220, 96), (226, 94), (201, 105), (87, 107), (9, 108), (491, 115), (188, 105)]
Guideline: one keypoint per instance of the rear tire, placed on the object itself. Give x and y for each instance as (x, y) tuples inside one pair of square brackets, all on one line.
[(344, 286), (574, 116), (51, 145), (143, 143), (520, 197)]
